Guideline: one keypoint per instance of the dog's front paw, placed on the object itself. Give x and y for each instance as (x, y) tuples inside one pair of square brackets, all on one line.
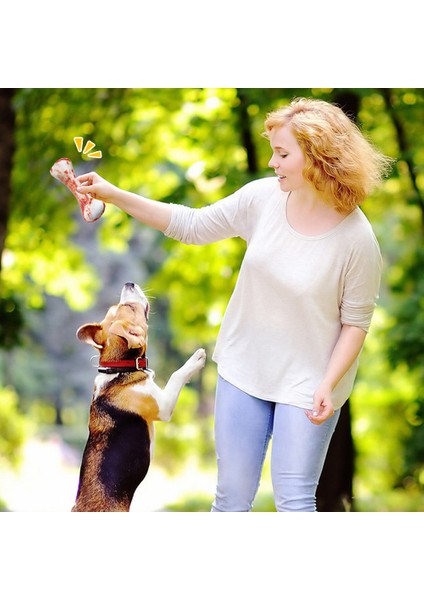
[(195, 362)]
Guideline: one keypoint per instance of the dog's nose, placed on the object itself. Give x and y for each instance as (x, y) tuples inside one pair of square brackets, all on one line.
[(131, 292)]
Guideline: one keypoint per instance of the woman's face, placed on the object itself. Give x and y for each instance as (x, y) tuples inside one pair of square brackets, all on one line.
[(287, 159)]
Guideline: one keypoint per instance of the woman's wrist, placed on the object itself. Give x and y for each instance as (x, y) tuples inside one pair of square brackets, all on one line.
[(327, 385)]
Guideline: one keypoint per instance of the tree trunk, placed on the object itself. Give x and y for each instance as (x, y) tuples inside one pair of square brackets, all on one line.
[(335, 487), (7, 126), (405, 149), (334, 492), (246, 132)]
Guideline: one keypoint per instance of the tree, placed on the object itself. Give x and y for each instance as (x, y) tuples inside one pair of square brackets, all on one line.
[(11, 319), (406, 337), (335, 489), (7, 125), (12, 423)]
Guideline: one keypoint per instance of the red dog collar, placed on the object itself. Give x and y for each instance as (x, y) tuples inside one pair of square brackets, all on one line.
[(124, 366)]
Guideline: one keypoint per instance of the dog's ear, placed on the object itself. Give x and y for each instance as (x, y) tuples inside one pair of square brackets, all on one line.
[(134, 334), (91, 334)]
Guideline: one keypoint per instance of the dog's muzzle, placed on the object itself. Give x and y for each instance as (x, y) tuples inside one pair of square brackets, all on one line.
[(130, 293)]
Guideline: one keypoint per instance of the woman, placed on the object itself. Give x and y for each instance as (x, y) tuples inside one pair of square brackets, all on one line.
[(288, 348)]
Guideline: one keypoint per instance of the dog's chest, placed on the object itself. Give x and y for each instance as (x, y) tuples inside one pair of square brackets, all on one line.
[(132, 392)]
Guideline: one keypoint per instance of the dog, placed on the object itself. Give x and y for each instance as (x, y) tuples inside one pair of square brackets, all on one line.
[(126, 401)]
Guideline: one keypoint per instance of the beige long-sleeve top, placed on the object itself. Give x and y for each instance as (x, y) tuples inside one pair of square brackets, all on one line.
[(292, 295)]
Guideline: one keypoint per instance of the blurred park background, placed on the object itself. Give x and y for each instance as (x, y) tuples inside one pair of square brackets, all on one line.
[(191, 146)]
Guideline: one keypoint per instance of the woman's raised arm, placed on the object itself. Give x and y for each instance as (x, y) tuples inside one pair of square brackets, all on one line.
[(150, 212)]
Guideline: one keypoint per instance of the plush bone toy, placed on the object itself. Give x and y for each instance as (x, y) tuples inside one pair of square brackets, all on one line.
[(63, 171)]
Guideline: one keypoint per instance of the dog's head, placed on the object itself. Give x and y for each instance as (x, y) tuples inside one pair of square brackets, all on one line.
[(124, 326)]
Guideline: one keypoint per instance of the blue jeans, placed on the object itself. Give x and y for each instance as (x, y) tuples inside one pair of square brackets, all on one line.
[(244, 426)]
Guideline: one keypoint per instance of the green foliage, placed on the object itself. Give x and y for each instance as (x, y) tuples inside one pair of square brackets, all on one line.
[(40, 256), (192, 503), (383, 406), (406, 350), (198, 281), (407, 333), (14, 429), (186, 434)]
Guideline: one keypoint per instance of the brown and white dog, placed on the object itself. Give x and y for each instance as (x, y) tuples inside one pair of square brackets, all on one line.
[(125, 402)]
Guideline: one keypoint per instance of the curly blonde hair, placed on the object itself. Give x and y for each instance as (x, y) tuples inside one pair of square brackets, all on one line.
[(340, 161)]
